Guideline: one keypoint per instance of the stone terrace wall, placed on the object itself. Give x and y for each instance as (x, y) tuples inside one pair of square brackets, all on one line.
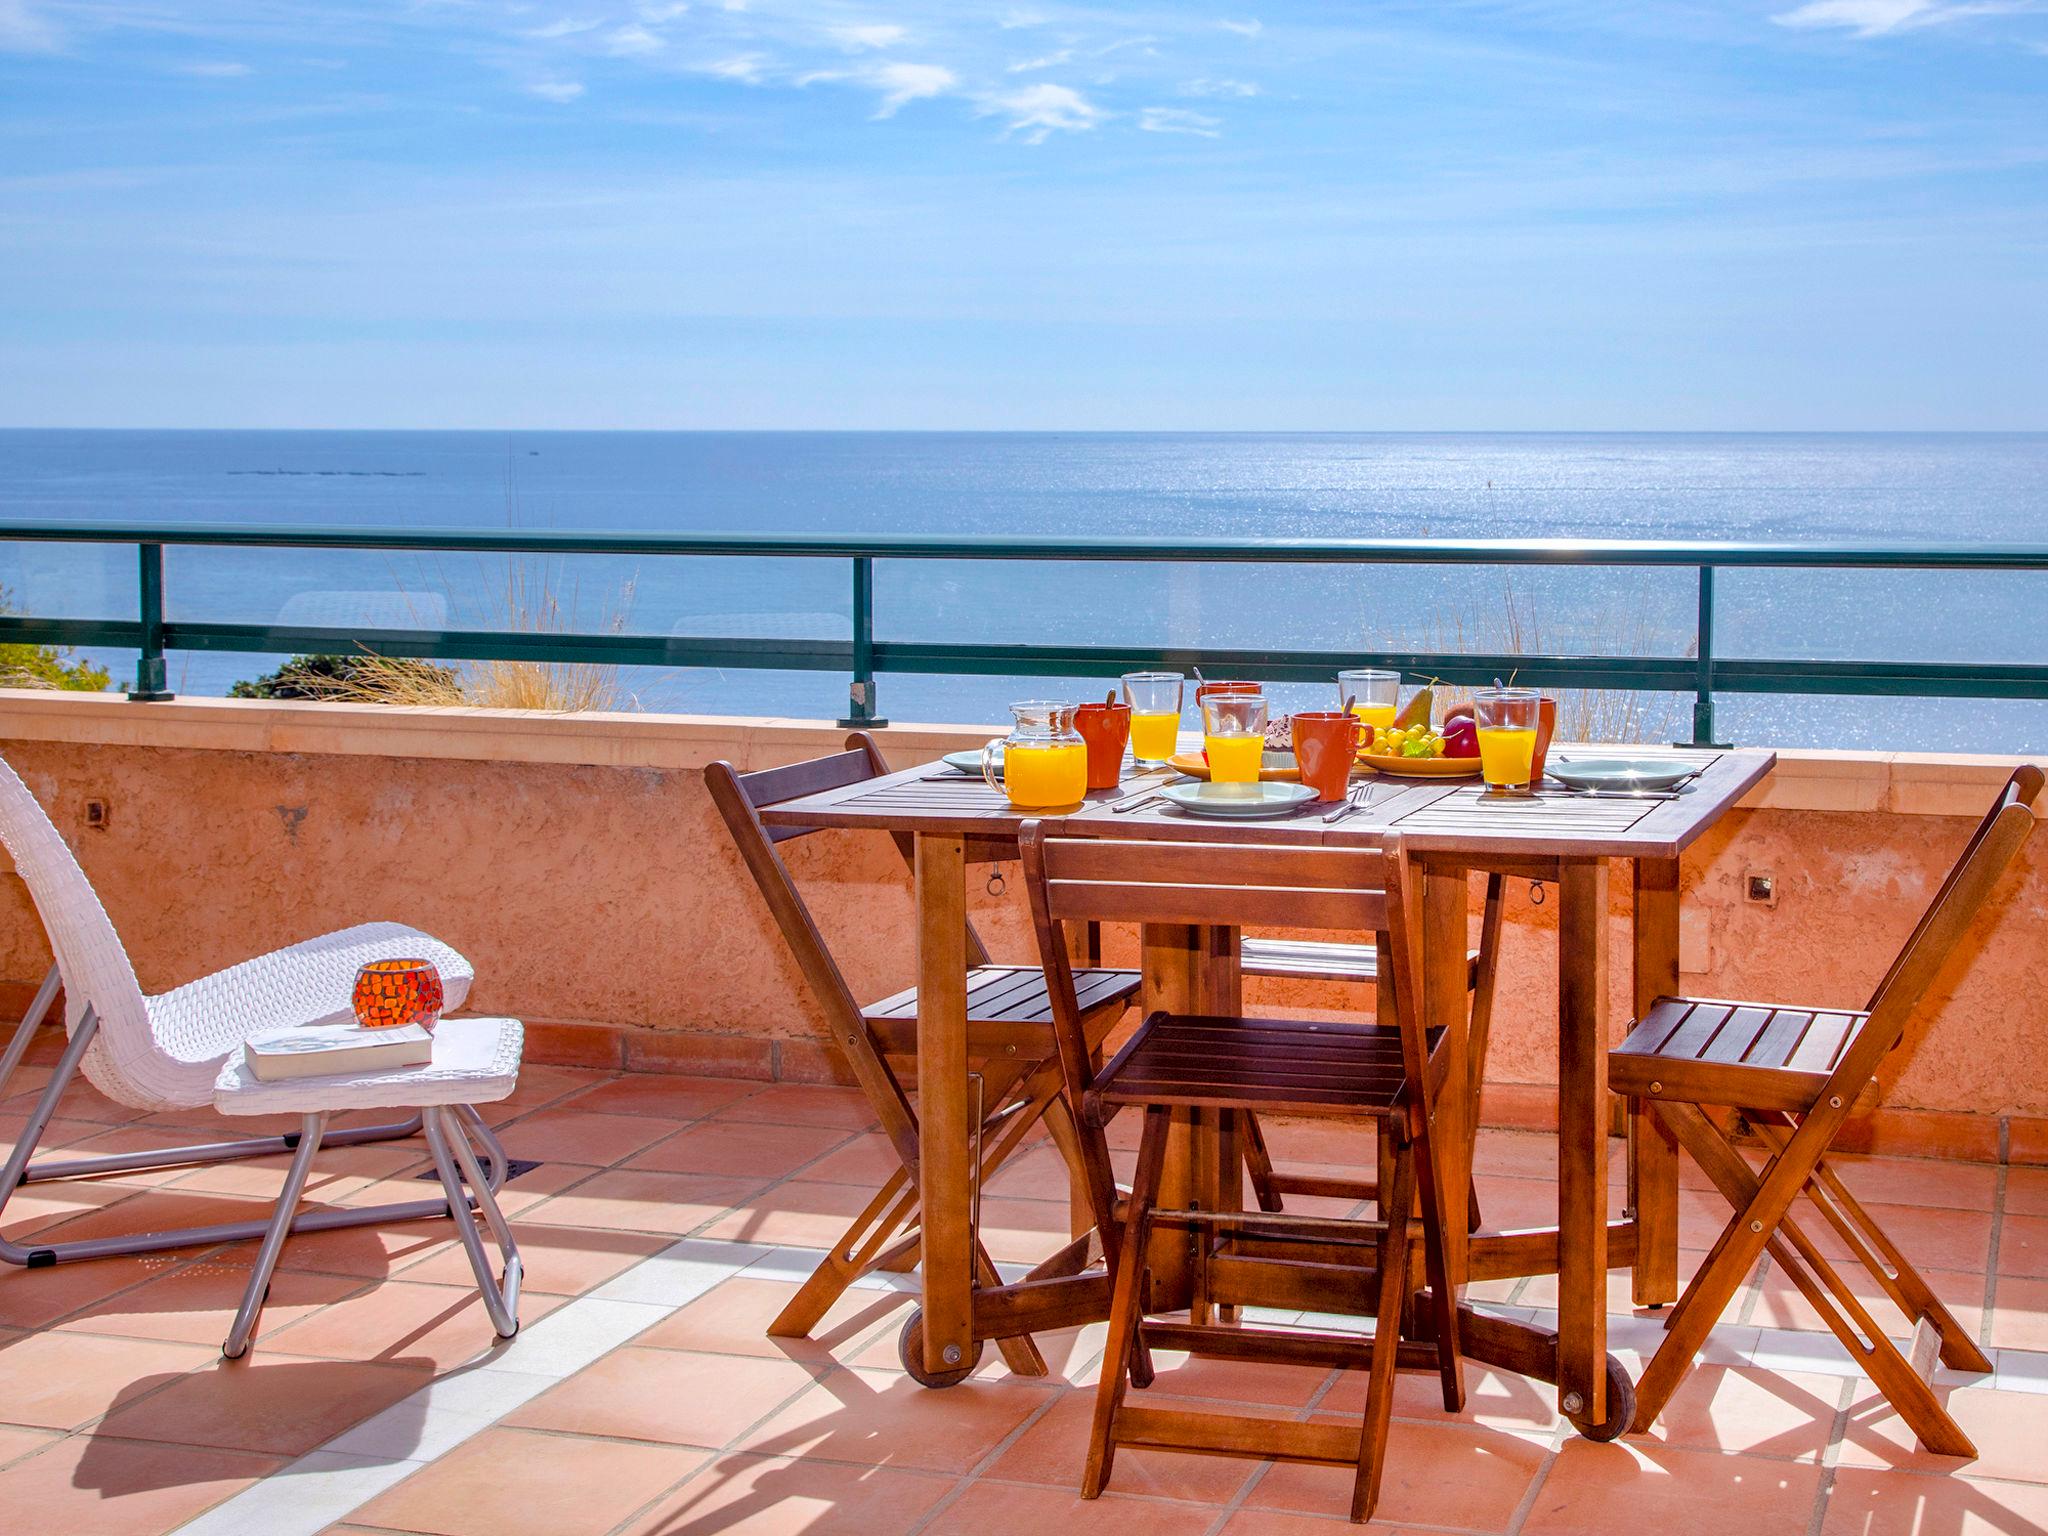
[(579, 863)]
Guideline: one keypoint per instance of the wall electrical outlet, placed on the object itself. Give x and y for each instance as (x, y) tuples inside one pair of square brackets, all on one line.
[(98, 815), (1761, 886)]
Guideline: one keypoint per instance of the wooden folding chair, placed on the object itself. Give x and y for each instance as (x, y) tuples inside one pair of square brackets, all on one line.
[(1009, 1043), (1797, 1074), (1338, 960), (1385, 1072)]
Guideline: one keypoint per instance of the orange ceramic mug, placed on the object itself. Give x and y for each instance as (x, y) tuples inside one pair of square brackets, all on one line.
[(1326, 744), (1107, 730), (1546, 727), (1203, 690)]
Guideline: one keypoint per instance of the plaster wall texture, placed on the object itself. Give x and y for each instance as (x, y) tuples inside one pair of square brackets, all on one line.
[(580, 864)]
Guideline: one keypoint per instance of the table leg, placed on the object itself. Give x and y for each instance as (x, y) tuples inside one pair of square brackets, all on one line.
[(1445, 934), (1189, 969), (1652, 1153), (944, 1135), (1582, 1140)]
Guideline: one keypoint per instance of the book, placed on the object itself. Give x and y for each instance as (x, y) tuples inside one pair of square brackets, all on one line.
[(321, 1050)]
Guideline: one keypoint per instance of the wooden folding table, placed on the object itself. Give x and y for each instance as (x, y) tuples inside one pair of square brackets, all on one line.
[(1568, 842)]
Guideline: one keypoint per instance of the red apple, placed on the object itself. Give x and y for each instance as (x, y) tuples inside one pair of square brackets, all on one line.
[(1461, 737)]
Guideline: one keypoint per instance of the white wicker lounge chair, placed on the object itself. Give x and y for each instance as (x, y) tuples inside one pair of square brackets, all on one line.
[(165, 1052)]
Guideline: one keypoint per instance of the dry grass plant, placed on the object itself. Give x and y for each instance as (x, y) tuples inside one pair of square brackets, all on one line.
[(1583, 714), (531, 602)]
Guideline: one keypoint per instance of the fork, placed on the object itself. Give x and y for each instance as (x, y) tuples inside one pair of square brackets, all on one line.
[(1357, 800)]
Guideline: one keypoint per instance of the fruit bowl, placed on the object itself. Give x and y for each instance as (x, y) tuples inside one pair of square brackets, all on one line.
[(1421, 767)]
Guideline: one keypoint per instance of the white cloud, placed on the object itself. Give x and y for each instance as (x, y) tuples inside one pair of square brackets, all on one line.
[(1046, 61), (658, 11), (215, 69), (1038, 111), (22, 30), (568, 26), (748, 68), (1875, 18), (1230, 88), (901, 84), (632, 42), (560, 92), (869, 35), (1179, 120), (1243, 28)]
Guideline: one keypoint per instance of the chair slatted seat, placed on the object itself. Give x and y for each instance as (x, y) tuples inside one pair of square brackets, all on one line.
[(1322, 960), (1797, 1074), (1386, 1074), (1010, 1042), (1737, 1054)]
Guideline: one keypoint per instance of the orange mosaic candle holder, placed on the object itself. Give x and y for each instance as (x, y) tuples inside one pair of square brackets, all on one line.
[(390, 993)]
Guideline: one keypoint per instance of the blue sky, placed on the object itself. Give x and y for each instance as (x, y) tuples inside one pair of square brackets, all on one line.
[(941, 213)]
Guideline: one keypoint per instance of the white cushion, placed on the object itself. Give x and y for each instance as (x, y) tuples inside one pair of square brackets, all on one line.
[(476, 1061)]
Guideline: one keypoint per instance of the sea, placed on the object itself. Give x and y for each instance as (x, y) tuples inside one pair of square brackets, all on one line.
[(1891, 488)]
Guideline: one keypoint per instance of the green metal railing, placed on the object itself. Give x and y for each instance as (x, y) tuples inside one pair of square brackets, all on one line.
[(1702, 674)]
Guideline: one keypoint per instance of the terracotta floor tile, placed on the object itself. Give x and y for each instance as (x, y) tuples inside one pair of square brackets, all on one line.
[(266, 1402), (2026, 1191), (867, 1160), (1018, 1510), (803, 1104), (1517, 1202), (56, 1208), (155, 1209), (667, 1395), (527, 1189), (1033, 1172), (1235, 1381), (399, 1320), (1436, 1474), (63, 1380), (1745, 1411), (1054, 1450), (2019, 1314), (1868, 1503), (195, 1304), (88, 1486), (1024, 1231), (513, 1482), (336, 1172), (664, 1096), (369, 1253), (636, 1200), (732, 1318), (35, 1298), (1918, 1181), (1311, 1141), (882, 1418), (770, 1496), (2010, 1430), (541, 1084), (1494, 1399), (2023, 1247), (17, 1443), (134, 1138), (798, 1212), (1272, 1522), (1931, 1236), (1780, 1304), (562, 1261), (564, 1135), (1600, 1489), (741, 1150)]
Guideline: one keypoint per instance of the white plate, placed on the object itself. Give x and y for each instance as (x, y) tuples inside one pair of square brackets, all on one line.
[(970, 762), (1622, 773), (1239, 800)]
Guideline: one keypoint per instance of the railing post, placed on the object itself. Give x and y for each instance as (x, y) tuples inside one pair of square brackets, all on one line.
[(860, 694), (150, 681), (1703, 688)]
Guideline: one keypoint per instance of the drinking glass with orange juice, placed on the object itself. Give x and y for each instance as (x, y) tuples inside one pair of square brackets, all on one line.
[(1044, 758), (1375, 695), (1155, 699), (1234, 736), (1506, 719)]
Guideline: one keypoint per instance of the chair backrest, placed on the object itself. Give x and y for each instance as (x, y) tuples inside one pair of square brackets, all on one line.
[(96, 970), (1991, 848), (740, 798), (1139, 880)]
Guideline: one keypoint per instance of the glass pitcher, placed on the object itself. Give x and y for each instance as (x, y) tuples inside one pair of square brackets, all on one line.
[(1043, 761)]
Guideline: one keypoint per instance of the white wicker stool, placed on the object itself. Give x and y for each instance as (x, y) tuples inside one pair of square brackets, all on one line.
[(476, 1061)]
